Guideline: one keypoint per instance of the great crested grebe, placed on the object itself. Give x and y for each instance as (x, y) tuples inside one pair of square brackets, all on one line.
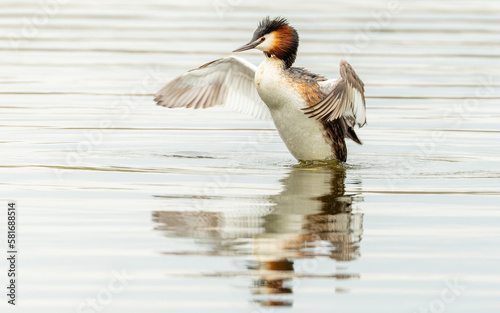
[(313, 115)]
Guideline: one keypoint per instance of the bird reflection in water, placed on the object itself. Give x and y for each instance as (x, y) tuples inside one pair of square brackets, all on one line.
[(312, 221)]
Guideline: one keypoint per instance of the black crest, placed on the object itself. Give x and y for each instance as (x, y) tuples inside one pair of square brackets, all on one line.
[(267, 26)]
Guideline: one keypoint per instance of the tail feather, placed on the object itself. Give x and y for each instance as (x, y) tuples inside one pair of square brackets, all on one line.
[(349, 132), (352, 135)]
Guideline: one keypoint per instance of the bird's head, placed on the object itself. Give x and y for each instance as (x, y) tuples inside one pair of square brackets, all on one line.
[(275, 38)]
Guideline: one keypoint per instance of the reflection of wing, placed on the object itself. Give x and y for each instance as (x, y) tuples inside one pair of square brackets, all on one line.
[(345, 98), (227, 82)]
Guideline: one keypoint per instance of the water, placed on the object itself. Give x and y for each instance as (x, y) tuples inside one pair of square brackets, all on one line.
[(143, 209)]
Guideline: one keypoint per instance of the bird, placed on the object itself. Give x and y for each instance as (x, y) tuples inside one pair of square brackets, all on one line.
[(312, 114)]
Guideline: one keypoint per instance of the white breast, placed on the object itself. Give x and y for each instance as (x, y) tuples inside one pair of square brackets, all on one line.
[(303, 136)]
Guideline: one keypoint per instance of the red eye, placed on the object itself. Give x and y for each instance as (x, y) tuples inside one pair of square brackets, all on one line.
[(262, 39)]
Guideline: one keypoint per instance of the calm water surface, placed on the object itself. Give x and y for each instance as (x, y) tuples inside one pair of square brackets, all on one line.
[(144, 209)]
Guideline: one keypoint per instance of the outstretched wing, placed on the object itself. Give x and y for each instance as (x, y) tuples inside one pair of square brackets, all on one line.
[(345, 98), (225, 82)]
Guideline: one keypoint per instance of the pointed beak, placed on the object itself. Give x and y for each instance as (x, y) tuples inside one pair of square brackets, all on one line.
[(248, 46)]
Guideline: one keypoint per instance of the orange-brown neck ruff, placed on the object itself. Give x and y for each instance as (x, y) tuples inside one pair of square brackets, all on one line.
[(285, 45)]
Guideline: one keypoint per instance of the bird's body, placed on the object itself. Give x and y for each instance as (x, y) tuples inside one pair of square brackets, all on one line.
[(285, 96), (289, 95)]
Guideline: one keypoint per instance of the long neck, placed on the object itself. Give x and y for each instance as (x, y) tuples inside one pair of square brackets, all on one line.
[(287, 57), (285, 46)]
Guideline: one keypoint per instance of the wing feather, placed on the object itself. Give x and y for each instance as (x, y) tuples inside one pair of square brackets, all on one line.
[(345, 98), (227, 82)]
